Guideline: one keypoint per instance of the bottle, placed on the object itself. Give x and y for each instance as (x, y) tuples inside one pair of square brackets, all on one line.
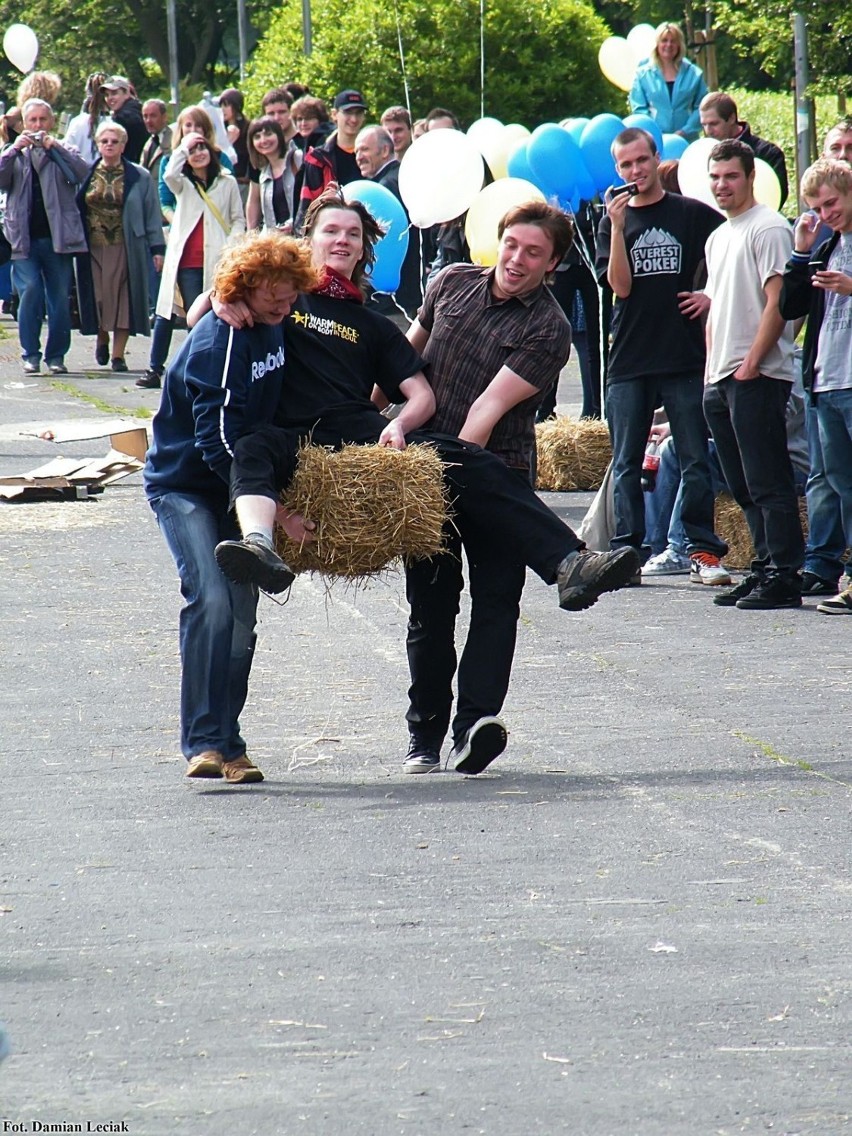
[(650, 466)]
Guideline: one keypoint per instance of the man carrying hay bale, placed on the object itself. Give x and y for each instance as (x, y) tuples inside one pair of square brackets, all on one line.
[(336, 350), (650, 247), (220, 384)]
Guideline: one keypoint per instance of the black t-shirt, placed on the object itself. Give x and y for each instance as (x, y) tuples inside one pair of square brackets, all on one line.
[(665, 247), (279, 201), (336, 350)]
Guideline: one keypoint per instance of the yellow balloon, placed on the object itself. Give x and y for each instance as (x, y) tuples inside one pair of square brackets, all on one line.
[(617, 62), (767, 187), (500, 146), (489, 206)]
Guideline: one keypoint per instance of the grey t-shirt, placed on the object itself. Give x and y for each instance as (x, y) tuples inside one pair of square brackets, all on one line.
[(833, 367)]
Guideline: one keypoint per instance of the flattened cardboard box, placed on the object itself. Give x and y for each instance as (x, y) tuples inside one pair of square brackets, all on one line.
[(79, 478)]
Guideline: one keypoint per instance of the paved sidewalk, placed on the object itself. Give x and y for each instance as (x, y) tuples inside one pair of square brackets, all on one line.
[(635, 924)]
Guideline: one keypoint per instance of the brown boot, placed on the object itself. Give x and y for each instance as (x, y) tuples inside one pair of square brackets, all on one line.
[(206, 764), (240, 771)]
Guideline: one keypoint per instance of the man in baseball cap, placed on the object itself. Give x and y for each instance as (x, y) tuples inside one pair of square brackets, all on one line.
[(334, 161), (126, 110)]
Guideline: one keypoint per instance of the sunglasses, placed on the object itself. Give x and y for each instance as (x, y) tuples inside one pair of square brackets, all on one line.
[(199, 148)]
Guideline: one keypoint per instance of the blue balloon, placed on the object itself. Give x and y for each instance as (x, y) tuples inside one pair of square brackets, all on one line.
[(518, 165), (595, 142), (645, 122), (575, 127), (674, 145), (555, 159), (388, 210)]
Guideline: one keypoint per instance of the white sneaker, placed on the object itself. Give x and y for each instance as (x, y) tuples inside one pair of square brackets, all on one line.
[(669, 562), (707, 569)]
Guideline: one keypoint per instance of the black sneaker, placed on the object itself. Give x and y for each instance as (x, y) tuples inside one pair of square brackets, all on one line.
[(775, 592), (581, 579), (151, 380), (814, 585), (423, 756), (744, 588), (250, 562), (485, 740)]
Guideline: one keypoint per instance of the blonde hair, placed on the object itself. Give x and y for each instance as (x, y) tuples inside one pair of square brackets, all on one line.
[(44, 85), (827, 171), (199, 115), (662, 30), (116, 127)]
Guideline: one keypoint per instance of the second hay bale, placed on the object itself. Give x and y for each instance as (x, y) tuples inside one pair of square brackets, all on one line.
[(572, 453), (732, 527), (371, 505)]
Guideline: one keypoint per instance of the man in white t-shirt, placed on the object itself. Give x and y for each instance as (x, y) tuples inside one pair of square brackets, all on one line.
[(749, 377), (818, 282)]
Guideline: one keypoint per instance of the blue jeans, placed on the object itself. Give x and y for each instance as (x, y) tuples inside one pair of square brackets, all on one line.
[(834, 415), (216, 625), (630, 410), (825, 544), (191, 283), (43, 280)]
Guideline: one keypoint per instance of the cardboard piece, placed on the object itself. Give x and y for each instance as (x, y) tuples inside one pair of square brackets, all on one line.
[(68, 478), (125, 434)]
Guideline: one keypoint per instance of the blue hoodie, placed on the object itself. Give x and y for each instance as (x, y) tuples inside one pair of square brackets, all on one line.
[(222, 384)]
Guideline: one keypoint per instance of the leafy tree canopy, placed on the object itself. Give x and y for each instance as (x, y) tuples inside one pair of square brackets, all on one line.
[(540, 56)]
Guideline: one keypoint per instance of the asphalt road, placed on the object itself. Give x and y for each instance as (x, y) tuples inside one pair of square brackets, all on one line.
[(636, 925)]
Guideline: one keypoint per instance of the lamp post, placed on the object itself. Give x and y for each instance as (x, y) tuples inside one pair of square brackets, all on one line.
[(307, 34), (171, 29)]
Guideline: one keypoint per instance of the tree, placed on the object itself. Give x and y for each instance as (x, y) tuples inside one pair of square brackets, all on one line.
[(540, 56)]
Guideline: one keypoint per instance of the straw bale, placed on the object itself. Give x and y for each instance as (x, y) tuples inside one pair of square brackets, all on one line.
[(572, 453), (371, 505), (732, 527)]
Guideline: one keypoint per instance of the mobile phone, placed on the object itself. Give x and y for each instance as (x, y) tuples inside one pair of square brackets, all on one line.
[(816, 265), (630, 188)]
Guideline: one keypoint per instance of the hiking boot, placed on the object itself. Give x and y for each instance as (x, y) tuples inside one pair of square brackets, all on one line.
[(206, 764), (774, 592), (151, 380), (708, 569), (57, 368), (485, 740), (423, 756), (584, 576), (240, 771), (31, 366), (815, 585), (744, 588), (841, 604), (669, 562), (251, 562)]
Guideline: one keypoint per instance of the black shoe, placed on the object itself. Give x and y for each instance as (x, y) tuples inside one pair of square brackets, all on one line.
[(151, 380), (814, 585), (744, 588), (485, 740), (423, 756), (581, 579), (119, 365), (249, 562), (774, 592), (102, 354)]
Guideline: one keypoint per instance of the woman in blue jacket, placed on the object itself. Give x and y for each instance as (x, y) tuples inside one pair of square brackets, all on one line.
[(668, 87)]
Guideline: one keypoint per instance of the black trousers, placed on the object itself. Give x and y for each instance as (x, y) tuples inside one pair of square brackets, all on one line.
[(748, 424), (575, 279), (433, 588), (492, 501)]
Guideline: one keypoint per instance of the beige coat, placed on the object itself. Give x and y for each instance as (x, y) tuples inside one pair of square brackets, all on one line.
[(225, 194)]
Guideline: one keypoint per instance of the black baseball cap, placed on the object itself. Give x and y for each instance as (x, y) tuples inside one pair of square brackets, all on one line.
[(350, 100)]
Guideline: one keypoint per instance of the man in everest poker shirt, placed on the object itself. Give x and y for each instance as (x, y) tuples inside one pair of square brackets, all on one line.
[(222, 383), (650, 247)]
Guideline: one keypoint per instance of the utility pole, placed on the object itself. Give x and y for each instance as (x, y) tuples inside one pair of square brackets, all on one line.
[(307, 31), (805, 129), (242, 32), (171, 29)]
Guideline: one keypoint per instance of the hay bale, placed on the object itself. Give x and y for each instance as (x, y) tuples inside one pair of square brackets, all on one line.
[(732, 527), (572, 453), (371, 505)]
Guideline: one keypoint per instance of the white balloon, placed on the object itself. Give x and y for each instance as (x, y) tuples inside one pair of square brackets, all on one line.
[(641, 40), (616, 61), (21, 46), (692, 175), (439, 176), (767, 187)]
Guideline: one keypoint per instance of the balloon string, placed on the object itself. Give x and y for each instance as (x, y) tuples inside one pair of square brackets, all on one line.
[(402, 60), (482, 58)]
